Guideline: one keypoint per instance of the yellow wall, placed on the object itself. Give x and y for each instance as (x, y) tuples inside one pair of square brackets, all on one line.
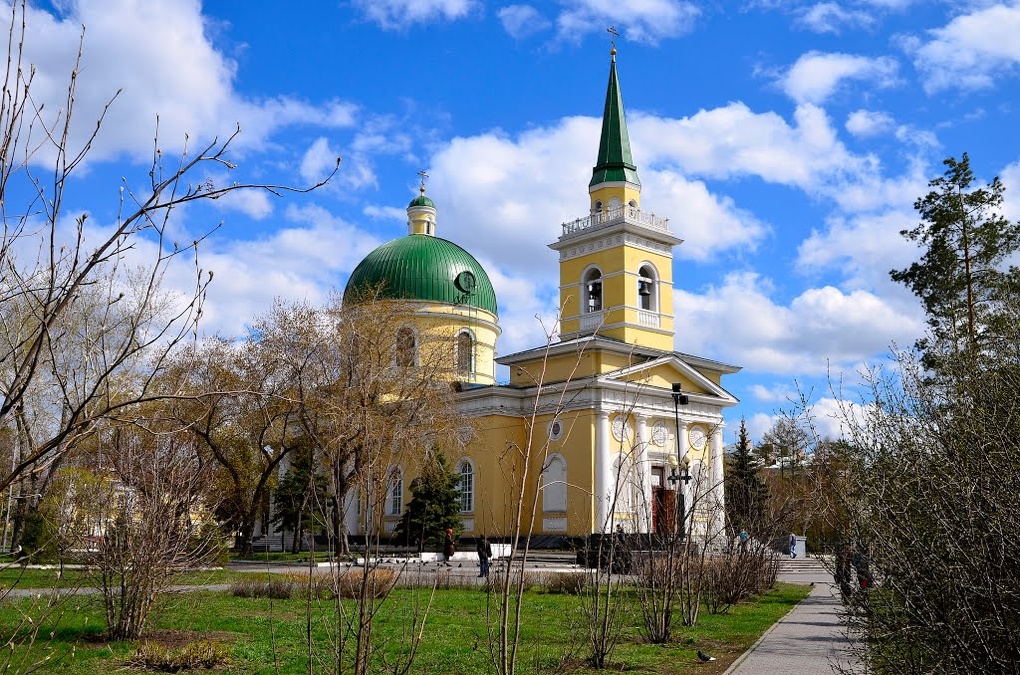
[(619, 266), (438, 326)]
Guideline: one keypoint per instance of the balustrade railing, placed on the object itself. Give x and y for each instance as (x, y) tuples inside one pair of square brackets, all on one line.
[(612, 216)]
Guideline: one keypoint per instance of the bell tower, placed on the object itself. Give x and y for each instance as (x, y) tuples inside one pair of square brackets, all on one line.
[(616, 263)]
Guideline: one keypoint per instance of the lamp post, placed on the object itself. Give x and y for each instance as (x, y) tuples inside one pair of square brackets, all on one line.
[(680, 398)]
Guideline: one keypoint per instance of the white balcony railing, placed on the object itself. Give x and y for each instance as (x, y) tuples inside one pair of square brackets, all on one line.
[(646, 318), (609, 217), (591, 321)]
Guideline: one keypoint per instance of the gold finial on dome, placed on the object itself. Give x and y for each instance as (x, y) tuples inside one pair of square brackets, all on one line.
[(612, 31), (423, 177)]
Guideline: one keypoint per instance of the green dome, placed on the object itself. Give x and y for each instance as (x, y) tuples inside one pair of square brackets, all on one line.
[(421, 200), (421, 267)]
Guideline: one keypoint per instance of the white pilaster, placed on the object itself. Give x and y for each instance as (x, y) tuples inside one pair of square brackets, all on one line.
[(643, 471), (603, 472), (718, 498)]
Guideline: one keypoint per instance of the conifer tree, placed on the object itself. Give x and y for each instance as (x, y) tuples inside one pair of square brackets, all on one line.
[(960, 277), (434, 506), (746, 492)]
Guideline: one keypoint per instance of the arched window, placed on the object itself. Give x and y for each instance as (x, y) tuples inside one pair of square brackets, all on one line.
[(406, 348), (623, 469), (648, 286), (395, 498), (593, 291), (465, 353), (466, 487), (554, 485)]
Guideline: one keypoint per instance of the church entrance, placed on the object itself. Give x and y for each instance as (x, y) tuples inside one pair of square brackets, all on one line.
[(663, 504)]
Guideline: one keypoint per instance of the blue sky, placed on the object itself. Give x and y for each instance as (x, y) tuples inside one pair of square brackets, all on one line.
[(785, 140)]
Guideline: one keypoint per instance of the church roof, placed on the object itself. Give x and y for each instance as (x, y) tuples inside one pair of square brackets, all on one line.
[(423, 267), (615, 163)]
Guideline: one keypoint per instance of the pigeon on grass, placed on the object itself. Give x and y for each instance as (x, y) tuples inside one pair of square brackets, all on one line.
[(704, 658)]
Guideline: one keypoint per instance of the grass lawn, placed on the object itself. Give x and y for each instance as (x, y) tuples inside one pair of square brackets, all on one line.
[(15, 576), (269, 636)]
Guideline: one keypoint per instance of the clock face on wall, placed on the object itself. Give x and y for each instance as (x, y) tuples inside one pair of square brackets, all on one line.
[(696, 435), (465, 281), (660, 434)]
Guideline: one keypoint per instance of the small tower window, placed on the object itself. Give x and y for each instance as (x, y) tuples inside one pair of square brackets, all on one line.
[(465, 353), (405, 347), (593, 291), (647, 289)]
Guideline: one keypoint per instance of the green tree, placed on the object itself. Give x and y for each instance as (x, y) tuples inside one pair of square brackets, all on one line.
[(960, 277), (434, 506), (299, 499), (746, 492)]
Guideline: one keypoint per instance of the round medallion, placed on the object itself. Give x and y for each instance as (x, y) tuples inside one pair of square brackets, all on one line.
[(621, 429), (660, 434), (696, 436)]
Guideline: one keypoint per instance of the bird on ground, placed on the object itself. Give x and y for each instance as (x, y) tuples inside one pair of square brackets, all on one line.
[(704, 658)]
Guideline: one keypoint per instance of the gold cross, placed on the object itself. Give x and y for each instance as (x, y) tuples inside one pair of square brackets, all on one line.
[(612, 31), (423, 177)]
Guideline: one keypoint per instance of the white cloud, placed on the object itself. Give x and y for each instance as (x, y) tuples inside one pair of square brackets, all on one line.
[(385, 213), (639, 20), (816, 75), (1010, 177), (971, 50), (304, 261), (400, 14), (707, 223), (780, 393), (869, 123), (734, 141), (863, 248), (318, 161), (831, 17), (160, 56), (820, 326), (525, 187), (522, 20)]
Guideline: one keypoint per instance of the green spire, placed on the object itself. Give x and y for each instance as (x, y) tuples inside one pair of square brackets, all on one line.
[(615, 164)]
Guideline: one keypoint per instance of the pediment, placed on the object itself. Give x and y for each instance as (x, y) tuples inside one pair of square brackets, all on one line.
[(662, 372)]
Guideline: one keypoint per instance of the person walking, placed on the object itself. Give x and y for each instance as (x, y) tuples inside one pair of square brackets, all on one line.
[(793, 545), (484, 553), (448, 549)]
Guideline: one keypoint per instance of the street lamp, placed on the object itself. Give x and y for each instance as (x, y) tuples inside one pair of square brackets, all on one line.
[(680, 398)]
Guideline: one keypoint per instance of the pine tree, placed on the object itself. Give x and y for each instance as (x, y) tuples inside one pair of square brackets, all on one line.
[(746, 492), (960, 277), (434, 506)]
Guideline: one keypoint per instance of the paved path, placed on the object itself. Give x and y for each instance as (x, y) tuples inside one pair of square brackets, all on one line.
[(809, 639)]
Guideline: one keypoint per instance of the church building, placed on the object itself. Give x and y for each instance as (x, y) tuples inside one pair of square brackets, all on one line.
[(605, 428)]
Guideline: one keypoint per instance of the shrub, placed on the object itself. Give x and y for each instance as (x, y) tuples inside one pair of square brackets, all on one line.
[(567, 583), (277, 589), (380, 581), (192, 656), (318, 586)]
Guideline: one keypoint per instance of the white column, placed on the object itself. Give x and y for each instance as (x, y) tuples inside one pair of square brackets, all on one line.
[(643, 475), (603, 471), (718, 498)]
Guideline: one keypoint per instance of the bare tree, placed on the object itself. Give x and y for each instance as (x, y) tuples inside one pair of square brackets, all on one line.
[(83, 330), (155, 520)]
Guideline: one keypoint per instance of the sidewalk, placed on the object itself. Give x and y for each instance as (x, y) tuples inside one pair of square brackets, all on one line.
[(809, 639)]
